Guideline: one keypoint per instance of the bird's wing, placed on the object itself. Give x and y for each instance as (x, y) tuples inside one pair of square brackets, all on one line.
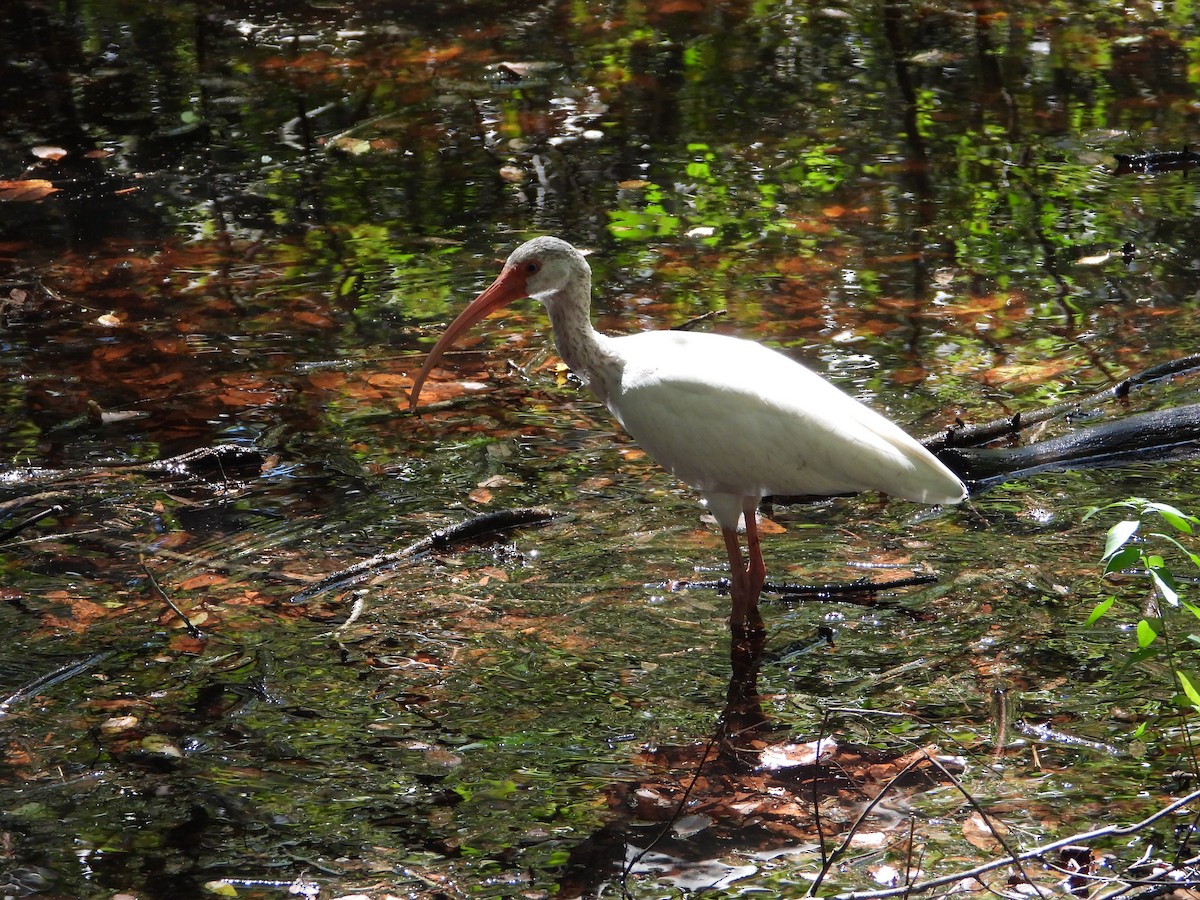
[(731, 416)]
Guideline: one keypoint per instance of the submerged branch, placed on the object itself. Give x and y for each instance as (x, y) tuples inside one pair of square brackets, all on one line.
[(1162, 434), (974, 435), (222, 459), (62, 673), (442, 539), (857, 592)]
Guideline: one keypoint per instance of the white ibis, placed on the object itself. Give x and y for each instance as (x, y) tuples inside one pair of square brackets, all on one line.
[(732, 418)]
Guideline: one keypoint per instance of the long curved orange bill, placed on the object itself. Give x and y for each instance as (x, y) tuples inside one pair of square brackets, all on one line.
[(508, 286)]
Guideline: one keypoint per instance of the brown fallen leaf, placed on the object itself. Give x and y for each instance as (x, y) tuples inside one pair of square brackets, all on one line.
[(25, 191), (206, 579), (978, 833)]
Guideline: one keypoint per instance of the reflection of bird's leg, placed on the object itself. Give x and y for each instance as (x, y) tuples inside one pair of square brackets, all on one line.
[(743, 724)]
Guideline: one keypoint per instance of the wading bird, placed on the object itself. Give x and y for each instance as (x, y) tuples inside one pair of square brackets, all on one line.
[(732, 418)]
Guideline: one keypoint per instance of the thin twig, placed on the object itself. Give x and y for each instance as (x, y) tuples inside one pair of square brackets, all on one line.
[(1107, 831), (13, 530), (816, 803), (696, 320), (630, 862), (849, 836), (987, 820), (162, 595)]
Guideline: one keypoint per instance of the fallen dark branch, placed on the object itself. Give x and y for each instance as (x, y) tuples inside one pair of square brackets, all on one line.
[(442, 539), (1163, 434), (697, 320), (224, 461), (848, 591), (14, 530), (1153, 163), (974, 435), (862, 586), (62, 673)]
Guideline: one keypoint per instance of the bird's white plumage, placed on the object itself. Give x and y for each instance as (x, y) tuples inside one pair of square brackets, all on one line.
[(732, 418)]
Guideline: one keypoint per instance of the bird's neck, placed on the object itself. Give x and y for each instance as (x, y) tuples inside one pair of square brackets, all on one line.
[(582, 347)]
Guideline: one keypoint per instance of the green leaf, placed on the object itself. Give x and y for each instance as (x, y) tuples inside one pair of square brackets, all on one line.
[(1176, 518), (1189, 689), (1118, 535), (1146, 633), (1140, 656), (1101, 608), (1123, 559), (1165, 583), (1194, 557)]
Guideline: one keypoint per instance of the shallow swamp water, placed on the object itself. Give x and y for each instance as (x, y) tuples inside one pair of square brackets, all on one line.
[(243, 225)]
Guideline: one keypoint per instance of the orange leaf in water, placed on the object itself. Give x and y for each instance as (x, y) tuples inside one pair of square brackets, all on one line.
[(111, 353), (185, 643), (491, 573), (25, 191), (680, 6), (389, 381), (1020, 374), (436, 391), (317, 320), (595, 483), (806, 227), (766, 526), (327, 381), (240, 398), (982, 833), (173, 540), (83, 613), (911, 375), (199, 581)]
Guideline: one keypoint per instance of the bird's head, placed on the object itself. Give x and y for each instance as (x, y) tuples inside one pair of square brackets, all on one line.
[(541, 268)]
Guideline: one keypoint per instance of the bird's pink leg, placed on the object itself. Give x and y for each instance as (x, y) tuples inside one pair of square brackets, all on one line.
[(746, 579), (737, 575), (756, 569)]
